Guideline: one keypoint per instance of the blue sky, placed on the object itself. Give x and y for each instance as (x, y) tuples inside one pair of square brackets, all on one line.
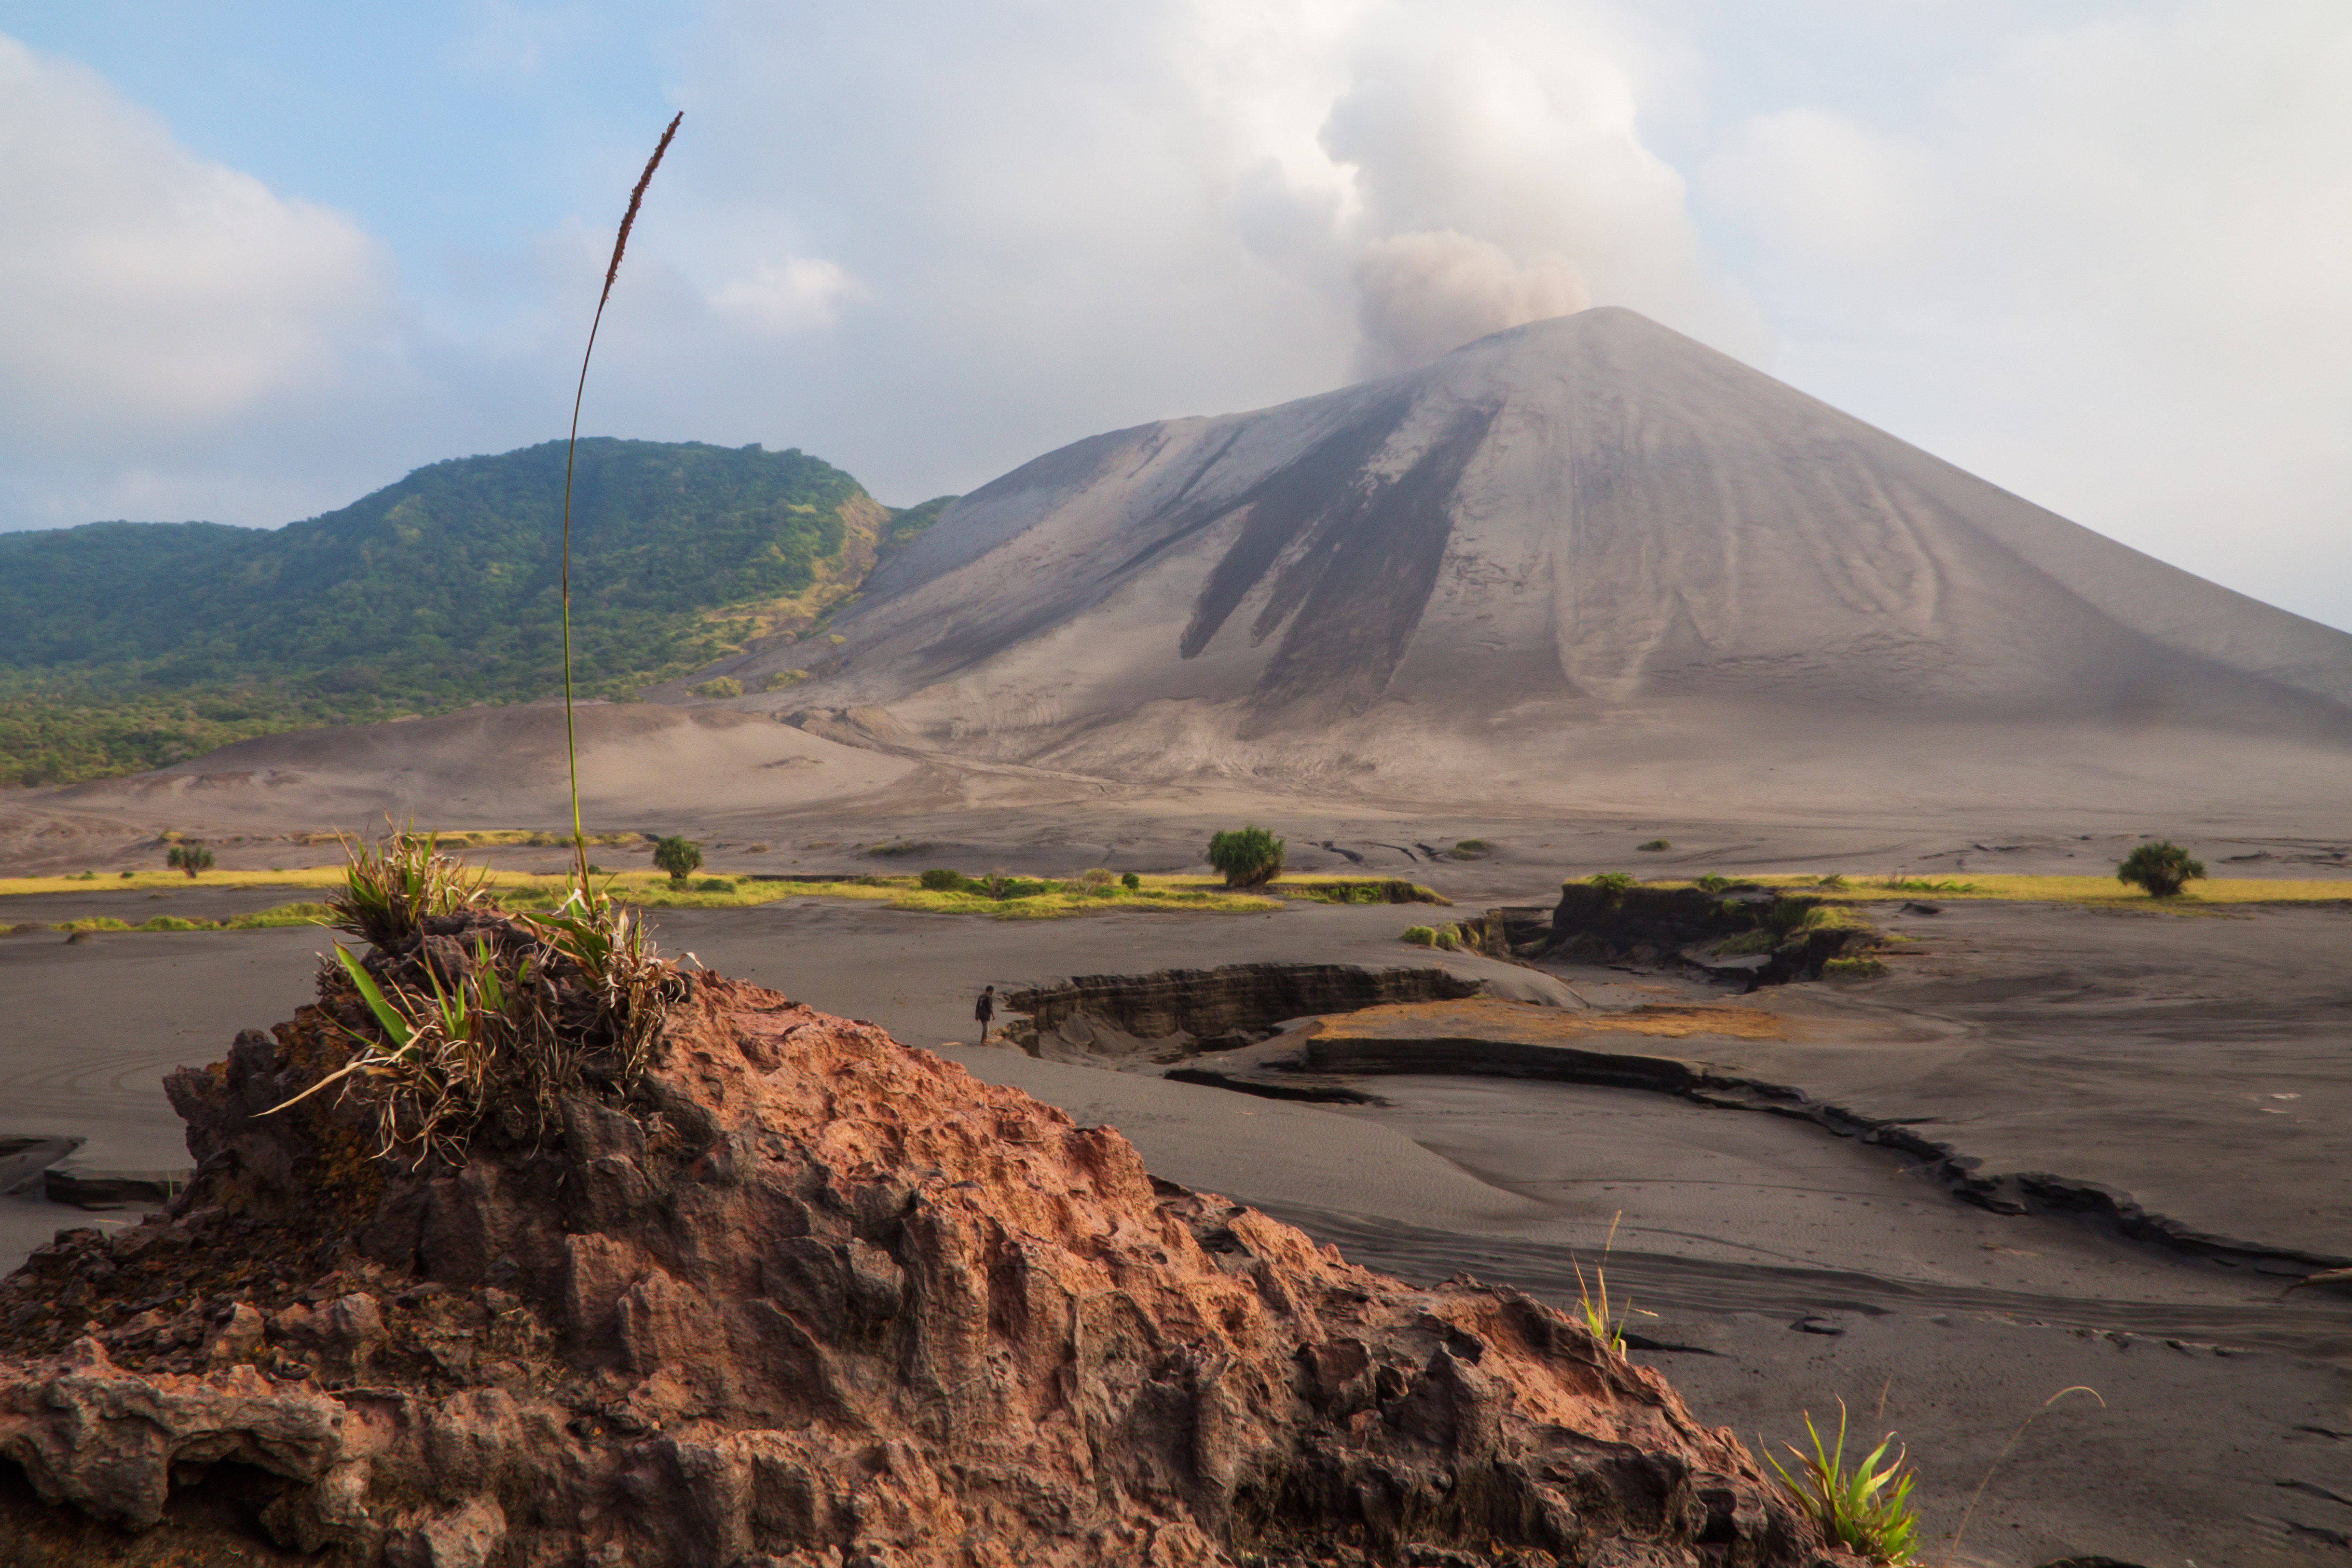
[(266, 256)]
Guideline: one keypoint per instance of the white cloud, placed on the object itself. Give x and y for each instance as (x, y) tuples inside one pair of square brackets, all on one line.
[(806, 292), (2107, 271), (145, 293)]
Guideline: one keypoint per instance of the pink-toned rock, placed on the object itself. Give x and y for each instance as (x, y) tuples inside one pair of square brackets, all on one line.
[(816, 1297)]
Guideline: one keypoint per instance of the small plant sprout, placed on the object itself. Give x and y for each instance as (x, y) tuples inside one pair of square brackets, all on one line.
[(1592, 1302), (1867, 1507), (191, 857), (2161, 866)]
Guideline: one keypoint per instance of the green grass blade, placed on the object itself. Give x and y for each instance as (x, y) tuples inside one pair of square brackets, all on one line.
[(395, 1026)]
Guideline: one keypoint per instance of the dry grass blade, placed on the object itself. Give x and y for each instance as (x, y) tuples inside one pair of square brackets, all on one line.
[(1953, 1551)]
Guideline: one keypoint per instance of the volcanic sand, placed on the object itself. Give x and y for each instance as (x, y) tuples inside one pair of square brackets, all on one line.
[(2034, 1037)]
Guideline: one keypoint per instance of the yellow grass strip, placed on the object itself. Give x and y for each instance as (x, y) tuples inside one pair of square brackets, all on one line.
[(2084, 889), (522, 890), (173, 881)]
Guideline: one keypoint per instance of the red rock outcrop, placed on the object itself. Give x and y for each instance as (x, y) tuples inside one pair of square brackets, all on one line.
[(812, 1298)]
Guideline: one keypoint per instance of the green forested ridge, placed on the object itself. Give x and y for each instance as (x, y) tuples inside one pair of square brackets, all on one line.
[(128, 645)]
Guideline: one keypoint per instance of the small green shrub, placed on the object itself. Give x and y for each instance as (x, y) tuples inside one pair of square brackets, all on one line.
[(128, 875), (714, 884), (1249, 857), (1095, 879), (1613, 884), (281, 914), (1833, 880), (191, 857), (89, 876), (720, 686), (2161, 866), (1863, 968), (679, 856), (1130, 882), (1471, 849), (1422, 936), (939, 879), (1712, 882), (1655, 845)]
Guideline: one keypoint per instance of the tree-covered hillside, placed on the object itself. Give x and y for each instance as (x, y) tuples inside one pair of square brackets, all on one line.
[(128, 645)]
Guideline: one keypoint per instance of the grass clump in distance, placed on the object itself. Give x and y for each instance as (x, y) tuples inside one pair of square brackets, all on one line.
[(1613, 884), (1457, 936), (1655, 845), (2161, 867), (1248, 857), (1867, 1507)]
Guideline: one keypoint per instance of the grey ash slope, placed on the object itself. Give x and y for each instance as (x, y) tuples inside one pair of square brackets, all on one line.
[(1579, 517), (1616, 500)]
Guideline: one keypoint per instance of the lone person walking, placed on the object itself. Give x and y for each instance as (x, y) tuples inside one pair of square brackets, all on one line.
[(984, 1011)]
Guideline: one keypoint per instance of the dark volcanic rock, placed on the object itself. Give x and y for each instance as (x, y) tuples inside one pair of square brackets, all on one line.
[(809, 1298), (1204, 1004)]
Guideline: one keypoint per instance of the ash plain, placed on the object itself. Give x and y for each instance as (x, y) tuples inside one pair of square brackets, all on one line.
[(2194, 1062)]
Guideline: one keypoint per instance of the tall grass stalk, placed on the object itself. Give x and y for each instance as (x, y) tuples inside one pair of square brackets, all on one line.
[(571, 740)]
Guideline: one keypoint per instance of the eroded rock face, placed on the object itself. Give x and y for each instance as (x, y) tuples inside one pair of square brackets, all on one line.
[(812, 1299), (1178, 1012)]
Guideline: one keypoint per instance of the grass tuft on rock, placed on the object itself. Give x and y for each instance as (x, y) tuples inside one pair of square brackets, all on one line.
[(1867, 1506)]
